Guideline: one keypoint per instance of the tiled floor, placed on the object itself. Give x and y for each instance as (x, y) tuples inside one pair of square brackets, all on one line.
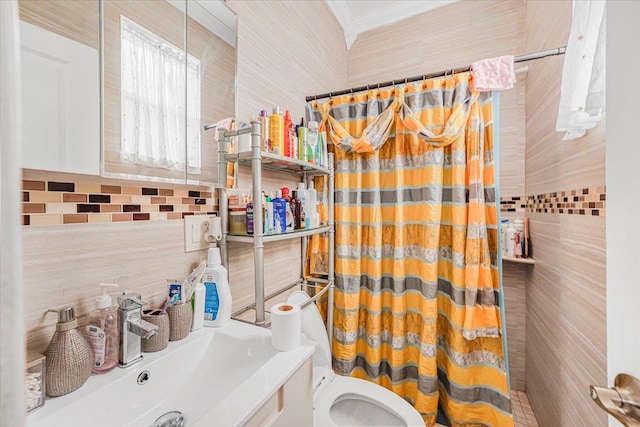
[(522, 413)]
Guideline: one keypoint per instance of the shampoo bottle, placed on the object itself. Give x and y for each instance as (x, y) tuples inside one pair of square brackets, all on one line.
[(289, 138), (276, 131), (302, 141), (101, 331), (217, 299)]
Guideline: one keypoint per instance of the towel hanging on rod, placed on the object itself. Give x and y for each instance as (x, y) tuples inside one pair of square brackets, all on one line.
[(521, 58)]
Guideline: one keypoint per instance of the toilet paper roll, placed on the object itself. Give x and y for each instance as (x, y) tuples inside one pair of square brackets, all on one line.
[(285, 326)]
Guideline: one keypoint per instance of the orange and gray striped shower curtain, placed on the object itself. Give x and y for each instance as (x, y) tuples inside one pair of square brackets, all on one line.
[(416, 303)]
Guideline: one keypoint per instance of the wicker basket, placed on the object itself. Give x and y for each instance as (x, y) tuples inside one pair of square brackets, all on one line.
[(160, 340), (180, 317)]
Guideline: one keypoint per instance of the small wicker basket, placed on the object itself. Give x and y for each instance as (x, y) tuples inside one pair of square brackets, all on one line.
[(160, 340), (180, 317)]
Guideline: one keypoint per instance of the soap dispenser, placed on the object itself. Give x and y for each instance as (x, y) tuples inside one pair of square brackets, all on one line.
[(69, 355), (101, 331)]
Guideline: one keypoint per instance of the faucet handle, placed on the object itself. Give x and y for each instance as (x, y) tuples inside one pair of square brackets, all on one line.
[(125, 301)]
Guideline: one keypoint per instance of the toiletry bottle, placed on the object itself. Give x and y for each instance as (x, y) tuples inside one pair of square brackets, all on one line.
[(312, 211), (312, 141), (510, 241), (279, 213), (217, 301), (276, 131), (289, 139), (303, 197), (503, 235), (69, 356), (198, 307), (295, 209), (302, 141), (101, 331), (324, 149), (290, 220), (249, 217), (269, 222), (265, 142)]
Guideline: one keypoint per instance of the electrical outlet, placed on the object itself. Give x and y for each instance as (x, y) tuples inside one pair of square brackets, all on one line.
[(195, 227)]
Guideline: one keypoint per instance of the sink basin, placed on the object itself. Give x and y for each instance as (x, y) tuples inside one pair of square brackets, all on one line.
[(216, 376)]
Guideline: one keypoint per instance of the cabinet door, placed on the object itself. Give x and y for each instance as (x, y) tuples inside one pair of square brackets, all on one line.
[(291, 405)]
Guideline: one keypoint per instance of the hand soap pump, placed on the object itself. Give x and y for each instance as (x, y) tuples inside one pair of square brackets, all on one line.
[(217, 298), (69, 356), (101, 331)]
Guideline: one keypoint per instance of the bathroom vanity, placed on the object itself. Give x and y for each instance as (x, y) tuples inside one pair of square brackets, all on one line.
[(227, 376)]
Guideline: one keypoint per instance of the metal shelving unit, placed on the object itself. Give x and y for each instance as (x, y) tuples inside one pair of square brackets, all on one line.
[(259, 161)]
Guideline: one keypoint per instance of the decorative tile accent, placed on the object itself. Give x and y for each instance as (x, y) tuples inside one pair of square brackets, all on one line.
[(51, 203), (513, 204), (585, 201)]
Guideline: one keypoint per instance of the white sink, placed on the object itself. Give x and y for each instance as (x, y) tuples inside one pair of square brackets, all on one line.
[(216, 376)]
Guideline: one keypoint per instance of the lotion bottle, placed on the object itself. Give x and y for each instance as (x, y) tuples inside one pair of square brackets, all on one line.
[(101, 331), (217, 299)]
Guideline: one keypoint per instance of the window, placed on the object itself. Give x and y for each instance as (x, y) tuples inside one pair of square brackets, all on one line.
[(152, 96)]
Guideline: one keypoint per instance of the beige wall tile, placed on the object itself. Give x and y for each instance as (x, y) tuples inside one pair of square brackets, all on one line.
[(45, 196), (93, 218), (45, 219)]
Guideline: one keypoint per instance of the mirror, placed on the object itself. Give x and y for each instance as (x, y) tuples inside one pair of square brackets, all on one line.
[(60, 85), (155, 99)]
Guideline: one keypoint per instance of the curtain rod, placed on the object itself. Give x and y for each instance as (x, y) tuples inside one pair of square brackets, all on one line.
[(521, 58)]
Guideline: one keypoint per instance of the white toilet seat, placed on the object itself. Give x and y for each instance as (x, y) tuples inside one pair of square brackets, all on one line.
[(384, 407), (363, 403)]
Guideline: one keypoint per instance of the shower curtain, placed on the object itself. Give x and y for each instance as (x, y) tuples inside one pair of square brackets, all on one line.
[(417, 281)]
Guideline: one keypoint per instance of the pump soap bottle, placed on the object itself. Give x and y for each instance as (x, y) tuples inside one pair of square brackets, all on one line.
[(69, 355), (101, 331), (217, 298)]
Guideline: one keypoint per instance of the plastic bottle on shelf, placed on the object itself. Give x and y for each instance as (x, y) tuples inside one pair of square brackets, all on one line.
[(312, 212), (288, 135), (312, 142), (303, 197), (295, 209), (302, 141), (510, 241), (265, 142), (279, 213), (276, 131)]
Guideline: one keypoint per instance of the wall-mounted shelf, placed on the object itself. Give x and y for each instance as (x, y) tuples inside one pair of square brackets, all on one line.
[(247, 238), (529, 261), (278, 163)]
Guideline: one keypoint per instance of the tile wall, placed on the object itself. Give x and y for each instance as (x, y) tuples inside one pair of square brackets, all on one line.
[(566, 289), (53, 202)]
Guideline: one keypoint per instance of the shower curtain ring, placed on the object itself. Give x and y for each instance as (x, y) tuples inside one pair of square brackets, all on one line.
[(406, 80)]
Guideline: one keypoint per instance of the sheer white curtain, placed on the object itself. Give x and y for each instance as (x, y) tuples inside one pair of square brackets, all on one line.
[(153, 101), (12, 341), (582, 92)]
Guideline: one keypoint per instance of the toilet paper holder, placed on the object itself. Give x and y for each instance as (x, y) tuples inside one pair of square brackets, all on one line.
[(621, 401)]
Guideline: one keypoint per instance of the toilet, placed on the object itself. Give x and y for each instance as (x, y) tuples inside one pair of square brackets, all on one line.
[(347, 401)]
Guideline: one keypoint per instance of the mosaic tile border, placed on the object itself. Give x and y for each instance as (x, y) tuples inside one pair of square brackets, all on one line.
[(53, 202), (513, 204), (590, 201)]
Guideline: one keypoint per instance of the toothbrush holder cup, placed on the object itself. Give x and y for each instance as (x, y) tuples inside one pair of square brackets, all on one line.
[(160, 340), (180, 317)]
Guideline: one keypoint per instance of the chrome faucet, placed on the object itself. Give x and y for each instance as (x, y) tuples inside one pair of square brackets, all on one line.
[(132, 329)]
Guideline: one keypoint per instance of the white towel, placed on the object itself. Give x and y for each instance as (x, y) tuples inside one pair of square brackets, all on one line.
[(582, 92)]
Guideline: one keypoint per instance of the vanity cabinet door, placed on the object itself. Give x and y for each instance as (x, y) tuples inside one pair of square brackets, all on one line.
[(291, 405)]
